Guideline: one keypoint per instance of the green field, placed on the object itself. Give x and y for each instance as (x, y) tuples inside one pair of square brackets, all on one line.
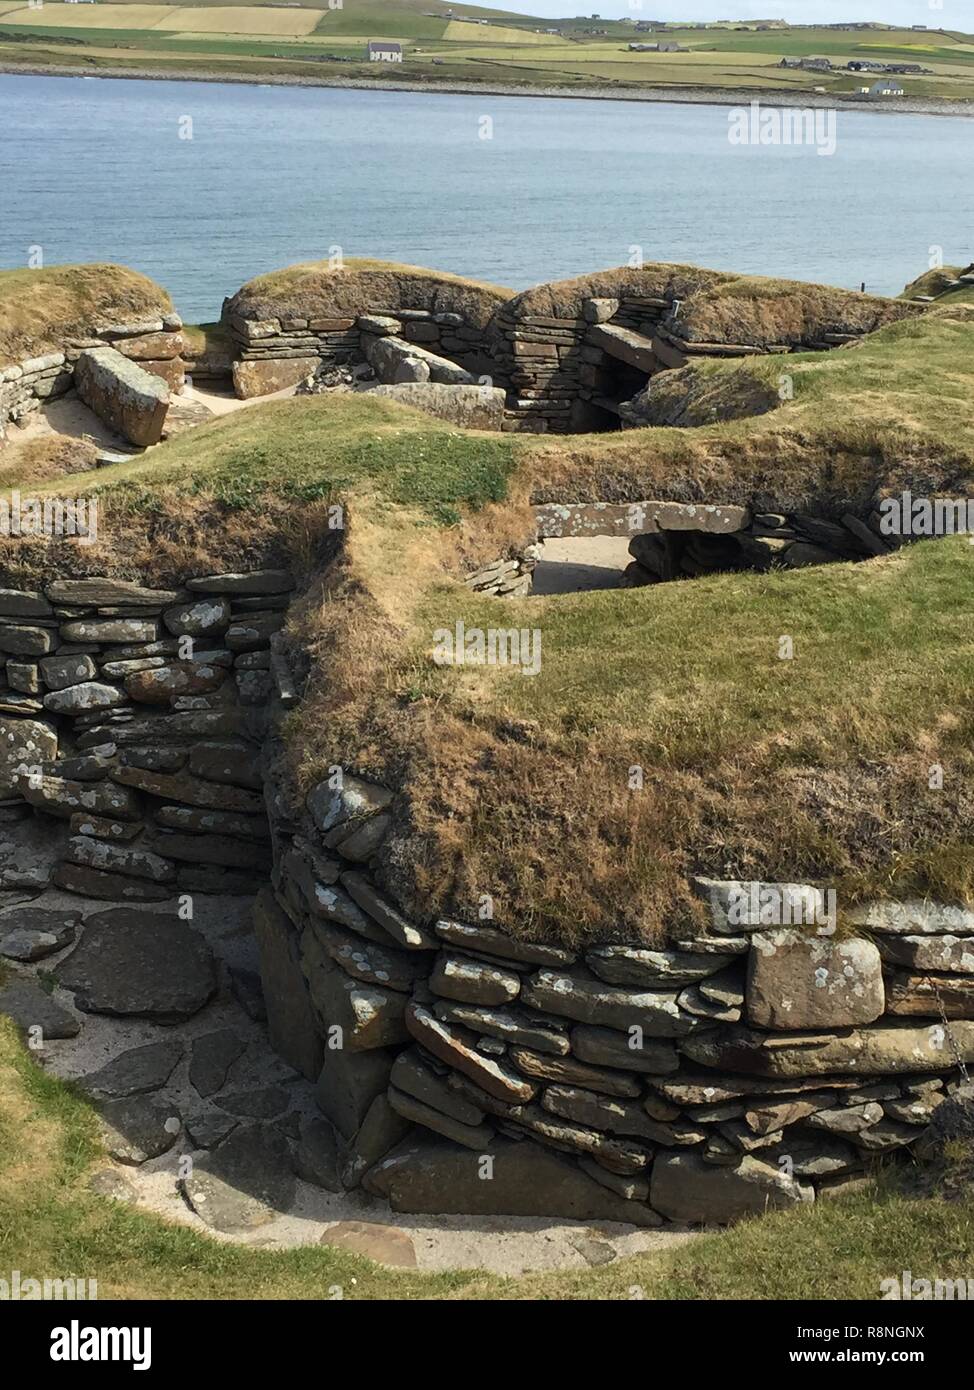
[(468, 44)]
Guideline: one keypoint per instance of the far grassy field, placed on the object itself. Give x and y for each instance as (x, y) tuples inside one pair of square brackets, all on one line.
[(470, 45)]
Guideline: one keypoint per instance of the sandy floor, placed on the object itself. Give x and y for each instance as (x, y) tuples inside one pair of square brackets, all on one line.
[(224, 402), (581, 562), (71, 417)]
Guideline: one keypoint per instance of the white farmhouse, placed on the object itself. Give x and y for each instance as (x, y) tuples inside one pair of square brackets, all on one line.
[(886, 88), (385, 52)]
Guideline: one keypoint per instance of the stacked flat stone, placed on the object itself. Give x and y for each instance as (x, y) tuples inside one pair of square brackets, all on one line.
[(540, 356), (136, 715), (451, 350), (572, 373), (157, 345), (677, 540), (274, 353), (794, 540), (508, 577), (743, 1067), (735, 1072), (568, 359)]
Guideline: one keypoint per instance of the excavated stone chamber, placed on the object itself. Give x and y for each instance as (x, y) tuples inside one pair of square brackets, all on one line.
[(745, 1066), (757, 1061), (566, 357), (685, 540)]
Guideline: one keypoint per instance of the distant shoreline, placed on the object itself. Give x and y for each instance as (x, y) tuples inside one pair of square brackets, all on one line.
[(693, 96)]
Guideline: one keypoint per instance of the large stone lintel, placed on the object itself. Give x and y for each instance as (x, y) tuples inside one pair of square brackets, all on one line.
[(559, 519)]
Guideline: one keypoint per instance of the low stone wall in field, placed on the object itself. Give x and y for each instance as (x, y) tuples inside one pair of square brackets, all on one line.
[(156, 345)]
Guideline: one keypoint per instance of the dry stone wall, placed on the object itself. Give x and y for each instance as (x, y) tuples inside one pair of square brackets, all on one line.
[(134, 717), (438, 347), (673, 540), (754, 1061), (577, 369), (556, 373), (156, 345), (574, 355), (758, 1060), (766, 1055)]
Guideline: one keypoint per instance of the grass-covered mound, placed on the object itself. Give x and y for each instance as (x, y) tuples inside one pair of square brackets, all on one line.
[(941, 285), (751, 765), (932, 282), (719, 307), (766, 312), (317, 290), (40, 308), (896, 398), (53, 1223), (255, 488)]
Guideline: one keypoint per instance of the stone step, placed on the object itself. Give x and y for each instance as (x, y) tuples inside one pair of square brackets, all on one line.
[(606, 403)]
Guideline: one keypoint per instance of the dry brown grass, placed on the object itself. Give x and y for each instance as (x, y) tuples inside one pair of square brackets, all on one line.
[(315, 290), (174, 539), (44, 458), (27, 1136), (538, 813), (39, 309), (762, 312), (655, 279)]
